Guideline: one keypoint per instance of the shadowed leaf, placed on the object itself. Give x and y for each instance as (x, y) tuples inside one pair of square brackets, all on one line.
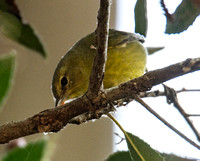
[(120, 156), (32, 152), (145, 150), (7, 64), (183, 17), (152, 50), (12, 26), (141, 21)]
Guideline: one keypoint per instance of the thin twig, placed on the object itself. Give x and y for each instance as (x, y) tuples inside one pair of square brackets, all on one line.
[(167, 14), (172, 98), (139, 100), (185, 116), (193, 115), (158, 93), (127, 137), (122, 139), (187, 90)]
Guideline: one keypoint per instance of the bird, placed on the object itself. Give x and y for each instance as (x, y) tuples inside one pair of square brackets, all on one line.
[(126, 60)]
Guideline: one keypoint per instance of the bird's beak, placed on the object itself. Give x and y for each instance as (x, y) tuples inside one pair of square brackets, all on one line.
[(59, 102), (56, 102)]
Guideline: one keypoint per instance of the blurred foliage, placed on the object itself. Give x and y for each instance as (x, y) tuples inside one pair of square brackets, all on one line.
[(145, 150), (120, 156), (184, 16), (35, 151), (141, 21), (7, 65), (152, 50), (12, 26)]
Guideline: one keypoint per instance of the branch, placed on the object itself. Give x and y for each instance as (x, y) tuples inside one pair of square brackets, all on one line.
[(171, 95), (95, 91), (167, 14), (139, 100), (172, 98), (152, 78), (53, 120), (157, 93), (102, 31)]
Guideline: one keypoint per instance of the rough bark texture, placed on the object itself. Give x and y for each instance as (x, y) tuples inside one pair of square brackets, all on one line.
[(53, 120), (102, 31)]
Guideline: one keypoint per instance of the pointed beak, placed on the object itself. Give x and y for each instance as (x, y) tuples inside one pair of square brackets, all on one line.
[(59, 102), (56, 102)]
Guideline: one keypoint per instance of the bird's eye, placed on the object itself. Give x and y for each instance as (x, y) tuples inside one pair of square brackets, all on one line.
[(64, 81)]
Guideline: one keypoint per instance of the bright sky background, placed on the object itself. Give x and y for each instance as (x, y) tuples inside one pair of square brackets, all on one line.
[(178, 47)]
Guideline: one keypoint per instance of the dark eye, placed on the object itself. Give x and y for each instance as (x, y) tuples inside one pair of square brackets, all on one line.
[(64, 81)]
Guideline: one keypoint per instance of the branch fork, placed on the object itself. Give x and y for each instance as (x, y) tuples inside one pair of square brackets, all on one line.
[(96, 99)]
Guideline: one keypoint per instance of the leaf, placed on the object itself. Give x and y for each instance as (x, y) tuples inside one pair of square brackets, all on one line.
[(7, 65), (152, 50), (119, 156), (141, 21), (172, 157), (32, 152), (12, 26), (30, 40), (125, 156), (145, 150), (183, 17), (10, 7)]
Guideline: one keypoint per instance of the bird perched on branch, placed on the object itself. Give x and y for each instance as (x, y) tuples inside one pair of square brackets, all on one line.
[(126, 60)]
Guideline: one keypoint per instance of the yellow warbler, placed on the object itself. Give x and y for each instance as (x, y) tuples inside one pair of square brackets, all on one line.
[(126, 60)]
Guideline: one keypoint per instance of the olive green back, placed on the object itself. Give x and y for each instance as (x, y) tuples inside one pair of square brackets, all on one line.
[(126, 59)]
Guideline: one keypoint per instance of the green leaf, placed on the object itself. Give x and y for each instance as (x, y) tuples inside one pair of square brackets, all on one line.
[(7, 65), (141, 21), (10, 7), (145, 150), (152, 50), (30, 40), (12, 26), (183, 17), (32, 152), (119, 156), (125, 156), (172, 157)]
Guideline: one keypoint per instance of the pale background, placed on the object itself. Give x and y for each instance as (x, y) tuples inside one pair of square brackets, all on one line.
[(178, 47), (60, 24)]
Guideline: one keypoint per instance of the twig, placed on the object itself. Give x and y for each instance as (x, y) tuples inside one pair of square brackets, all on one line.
[(167, 14), (122, 139), (127, 137), (172, 98), (139, 100), (95, 91), (193, 115), (102, 31), (157, 93), (54, 119)]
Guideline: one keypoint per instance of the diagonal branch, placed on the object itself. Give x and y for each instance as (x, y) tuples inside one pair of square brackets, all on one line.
[(55, 119), (139, 100), (152, 78), (172, 98)]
